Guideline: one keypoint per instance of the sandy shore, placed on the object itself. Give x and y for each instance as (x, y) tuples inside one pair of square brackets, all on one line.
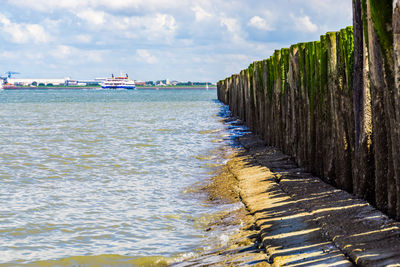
[(293, 218)]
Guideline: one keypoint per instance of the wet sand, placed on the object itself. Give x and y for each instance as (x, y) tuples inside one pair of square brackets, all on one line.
[(243, 246), (292, 218)]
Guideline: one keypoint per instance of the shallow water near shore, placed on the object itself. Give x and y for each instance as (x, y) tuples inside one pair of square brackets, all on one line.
[(104, 177)]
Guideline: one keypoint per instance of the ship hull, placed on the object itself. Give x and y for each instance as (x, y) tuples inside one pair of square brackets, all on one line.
[(118, 87)]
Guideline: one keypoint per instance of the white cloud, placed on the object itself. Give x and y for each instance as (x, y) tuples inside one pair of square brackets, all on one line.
[(233, 27), (53, 25), (96, 56), (187, 42), (145, 56), (74, 55), (162, 23), (200, 13), (260, 23), (304, 24), (76, 5), (4, 20), (92, 17), (231, 24), (62, 51), (151, 27), (154, 27), (7, 55), (138, 5), (23, 33), (83, 38), (49, 6), (37, 33), (33, 56), (328, 8)]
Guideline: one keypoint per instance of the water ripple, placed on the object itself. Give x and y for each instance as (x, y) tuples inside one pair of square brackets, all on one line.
[(95, 172)]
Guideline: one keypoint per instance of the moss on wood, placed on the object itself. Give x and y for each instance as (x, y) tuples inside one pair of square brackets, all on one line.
[(260, 80), (381, 15), (284, 68)]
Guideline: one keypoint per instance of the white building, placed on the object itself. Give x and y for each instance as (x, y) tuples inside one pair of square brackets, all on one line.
[(36, 82)]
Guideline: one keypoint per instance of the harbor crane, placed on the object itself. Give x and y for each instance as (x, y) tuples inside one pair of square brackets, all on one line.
[(9, 73)]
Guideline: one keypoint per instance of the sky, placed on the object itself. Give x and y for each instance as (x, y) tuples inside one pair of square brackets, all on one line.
[(184, 40)]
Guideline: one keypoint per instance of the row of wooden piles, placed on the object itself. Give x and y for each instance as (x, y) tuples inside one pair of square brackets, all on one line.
[(333, 104)]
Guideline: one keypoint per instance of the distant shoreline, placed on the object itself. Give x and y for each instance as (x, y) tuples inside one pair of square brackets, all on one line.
[(99, 88)]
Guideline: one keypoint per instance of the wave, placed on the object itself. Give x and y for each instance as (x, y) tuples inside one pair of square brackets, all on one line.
[(103, 260)]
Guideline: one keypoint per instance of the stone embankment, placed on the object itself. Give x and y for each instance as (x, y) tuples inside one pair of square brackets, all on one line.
[(303, 221), (294, 218), (333, 104)]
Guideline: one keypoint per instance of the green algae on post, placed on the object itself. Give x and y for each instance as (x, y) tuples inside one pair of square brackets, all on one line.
[(381, 15)]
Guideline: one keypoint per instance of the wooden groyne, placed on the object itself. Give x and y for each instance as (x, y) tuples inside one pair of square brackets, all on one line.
[(333, 104)]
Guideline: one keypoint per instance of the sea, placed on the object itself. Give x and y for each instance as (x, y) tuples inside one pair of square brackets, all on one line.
[(108, 177)]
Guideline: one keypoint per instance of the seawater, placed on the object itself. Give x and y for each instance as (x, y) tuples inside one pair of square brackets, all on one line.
[(99, 176)]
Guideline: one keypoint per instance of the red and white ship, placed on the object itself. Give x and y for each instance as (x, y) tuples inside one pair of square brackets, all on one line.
[(118, 83)]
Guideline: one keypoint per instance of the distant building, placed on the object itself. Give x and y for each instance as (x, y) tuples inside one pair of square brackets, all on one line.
[(94, 82), (35, 82), (149, 83), (71, 83), (189, 83), (160, 83), (140, 83), (165, 82)]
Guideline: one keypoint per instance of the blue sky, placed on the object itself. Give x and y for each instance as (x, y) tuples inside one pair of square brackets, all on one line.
[(197, 40)]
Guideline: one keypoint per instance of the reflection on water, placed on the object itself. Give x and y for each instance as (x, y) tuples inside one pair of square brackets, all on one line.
[(100, 175)]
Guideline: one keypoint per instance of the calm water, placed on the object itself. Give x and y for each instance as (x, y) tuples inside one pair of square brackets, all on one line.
[(104, 173)]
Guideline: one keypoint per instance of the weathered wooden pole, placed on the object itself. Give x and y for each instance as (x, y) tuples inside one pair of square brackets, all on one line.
[(363, 171)]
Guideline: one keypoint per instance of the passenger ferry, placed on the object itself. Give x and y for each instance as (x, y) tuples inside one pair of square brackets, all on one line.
[(118, 83)]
